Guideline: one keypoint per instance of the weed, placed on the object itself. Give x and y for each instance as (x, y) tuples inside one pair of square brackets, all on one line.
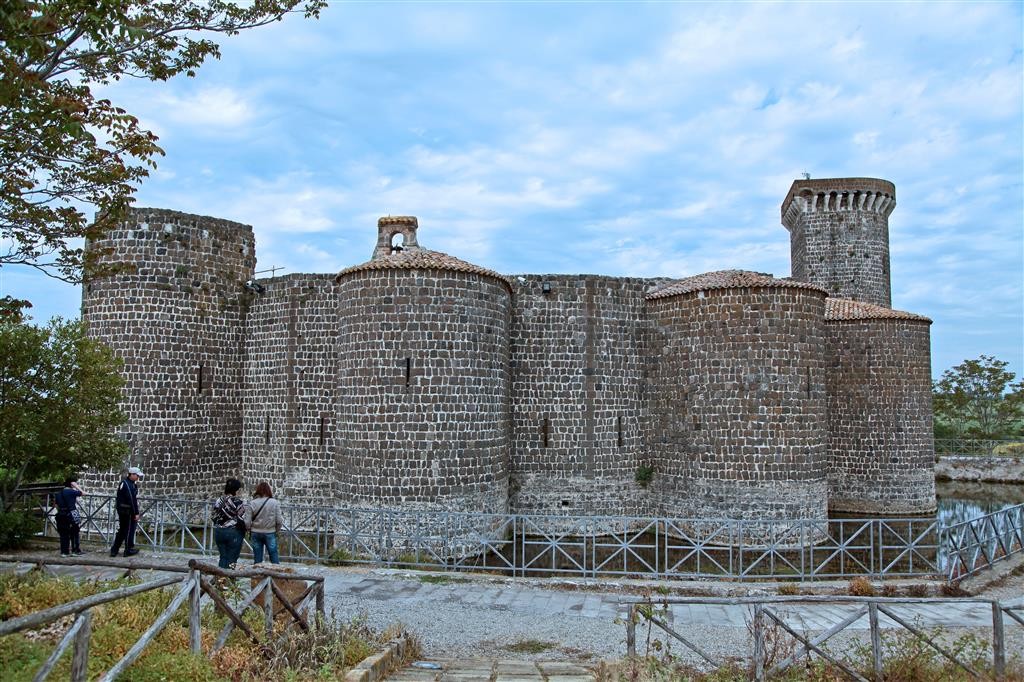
[(789, 589), (918, 590), (529, 646), (860, 587), (644, 475), (339, 557), (442, 579)]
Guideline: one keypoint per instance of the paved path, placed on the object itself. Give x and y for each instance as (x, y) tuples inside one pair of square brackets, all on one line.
[(486, 670)]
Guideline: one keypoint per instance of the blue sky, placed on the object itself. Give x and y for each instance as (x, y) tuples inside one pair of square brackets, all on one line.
[(626, 139)]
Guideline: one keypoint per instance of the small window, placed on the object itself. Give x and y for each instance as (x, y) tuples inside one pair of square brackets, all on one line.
[(408, 371), (199, 379), (266, 430), (545, 430), (323, 430), (621, 438)]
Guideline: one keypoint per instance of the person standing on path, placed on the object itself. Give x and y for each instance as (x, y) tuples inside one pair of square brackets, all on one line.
[(68, 518), (263, 516), (228, 518), (127, 513)]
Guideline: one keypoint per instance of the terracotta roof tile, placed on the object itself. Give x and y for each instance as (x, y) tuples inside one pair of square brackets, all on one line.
[(422, 259), (841, 309), (726, 279)]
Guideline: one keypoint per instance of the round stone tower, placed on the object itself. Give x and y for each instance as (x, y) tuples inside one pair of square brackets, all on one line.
[(175, 316), (737, 397), (839, 235), (880, 448), (423, 379)]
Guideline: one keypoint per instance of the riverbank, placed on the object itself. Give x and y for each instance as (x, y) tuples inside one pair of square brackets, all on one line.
[(973, 468)]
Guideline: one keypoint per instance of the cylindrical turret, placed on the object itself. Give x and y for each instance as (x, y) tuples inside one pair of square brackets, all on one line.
[(175, 316), (423, 382), (839, 235), (737, 393), (881, 452)]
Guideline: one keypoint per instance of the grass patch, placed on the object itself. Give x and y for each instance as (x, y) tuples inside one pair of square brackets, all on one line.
[(441, 579), (325, 652), (529, 646)]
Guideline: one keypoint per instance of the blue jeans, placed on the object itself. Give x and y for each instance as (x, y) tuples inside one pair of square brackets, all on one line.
[(258, 542), (229, 544)]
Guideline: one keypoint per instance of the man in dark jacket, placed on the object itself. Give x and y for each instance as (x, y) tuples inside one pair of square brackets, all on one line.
[(127, 513)]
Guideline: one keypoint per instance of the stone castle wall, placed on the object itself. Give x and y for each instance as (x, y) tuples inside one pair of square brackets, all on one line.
[(577, 395), (423, 385), (419, 381), (175, 316), (289, 401), (737, 394), (881, 447)]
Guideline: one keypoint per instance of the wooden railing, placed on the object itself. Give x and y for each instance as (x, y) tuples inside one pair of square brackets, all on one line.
[(191, 587), (764, 613)]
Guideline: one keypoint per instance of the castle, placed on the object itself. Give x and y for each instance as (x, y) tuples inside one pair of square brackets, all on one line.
[(419, 381)]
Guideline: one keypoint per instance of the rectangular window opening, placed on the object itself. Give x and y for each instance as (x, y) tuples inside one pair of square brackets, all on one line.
[(544, 431), (323, 430), (199, 379), (408, 370), (266, 430), (620, 435)]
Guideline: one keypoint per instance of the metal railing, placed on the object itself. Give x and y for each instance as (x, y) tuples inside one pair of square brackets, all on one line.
[(981, 447), (975, 545), (589, 546)]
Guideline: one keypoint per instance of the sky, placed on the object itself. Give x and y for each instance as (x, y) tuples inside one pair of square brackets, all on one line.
[(610, 138)]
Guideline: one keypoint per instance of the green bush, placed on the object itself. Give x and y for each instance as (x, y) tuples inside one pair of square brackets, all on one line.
[(16, 526)]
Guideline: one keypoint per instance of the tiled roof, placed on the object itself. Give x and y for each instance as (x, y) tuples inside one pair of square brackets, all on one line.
[(726, 279), (421, 259), (839, 309)]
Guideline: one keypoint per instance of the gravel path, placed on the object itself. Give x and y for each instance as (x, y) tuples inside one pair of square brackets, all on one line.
[(460, 617)]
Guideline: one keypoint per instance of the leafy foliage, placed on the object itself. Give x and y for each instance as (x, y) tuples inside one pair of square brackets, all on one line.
[(16, 526), (62, 149), (978, 399), (59, 394)]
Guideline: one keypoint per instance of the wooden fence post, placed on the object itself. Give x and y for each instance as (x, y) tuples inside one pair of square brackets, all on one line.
[(998, 642), (759, 653), (195, 632), (631, 631), (320, 598), (80, 657), (876, 640), (268, 610)]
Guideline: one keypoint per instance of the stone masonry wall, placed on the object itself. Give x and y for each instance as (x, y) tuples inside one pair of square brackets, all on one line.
[(423, 390), (176, 319), (577, 395), (737, 391), (881, 448), (839, 236), (291, 383)]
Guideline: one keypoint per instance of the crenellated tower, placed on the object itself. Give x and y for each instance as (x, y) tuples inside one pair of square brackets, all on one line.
[(839, 236)]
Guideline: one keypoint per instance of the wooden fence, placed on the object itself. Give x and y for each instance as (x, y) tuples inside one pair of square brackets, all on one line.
[(764, 613), (191, 586)]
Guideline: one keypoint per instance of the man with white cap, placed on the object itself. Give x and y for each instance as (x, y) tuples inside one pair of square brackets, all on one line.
[(127, 513)]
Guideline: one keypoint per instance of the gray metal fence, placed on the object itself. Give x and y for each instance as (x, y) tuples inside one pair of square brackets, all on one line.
[(982, 447), (536, 545)]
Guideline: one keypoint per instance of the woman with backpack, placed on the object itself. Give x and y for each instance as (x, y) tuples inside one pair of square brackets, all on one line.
[(263, 516), (68, 517), (229, 523)]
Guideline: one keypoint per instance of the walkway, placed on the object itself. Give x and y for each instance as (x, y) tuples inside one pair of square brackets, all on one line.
[(497, 619)]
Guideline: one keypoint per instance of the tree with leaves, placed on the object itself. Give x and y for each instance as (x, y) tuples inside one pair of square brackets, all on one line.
[(59, 412), (64, 151), (978, 399)]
